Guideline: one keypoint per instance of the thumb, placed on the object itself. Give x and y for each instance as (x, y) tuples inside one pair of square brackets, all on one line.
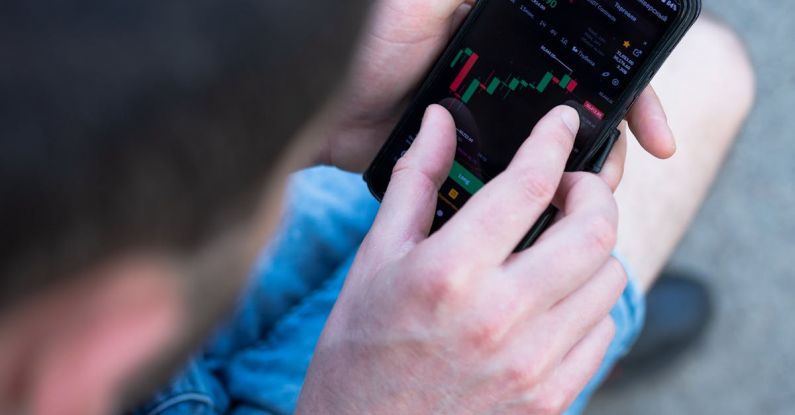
[(461, 13), (449, 8), (439, 10), (407, 211)]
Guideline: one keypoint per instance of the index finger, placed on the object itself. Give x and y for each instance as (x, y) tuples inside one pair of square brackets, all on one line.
[(494, 221), (407, 210), (648, 122), (579, 243)]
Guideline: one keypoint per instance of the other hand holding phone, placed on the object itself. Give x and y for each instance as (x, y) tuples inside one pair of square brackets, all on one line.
[(401, 43)]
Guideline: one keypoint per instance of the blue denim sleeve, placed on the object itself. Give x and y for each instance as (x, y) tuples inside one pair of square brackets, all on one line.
[(327, 215), (194, 392), (270, 375)]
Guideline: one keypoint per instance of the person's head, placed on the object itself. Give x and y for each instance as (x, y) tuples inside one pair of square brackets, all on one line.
[(143, 148)]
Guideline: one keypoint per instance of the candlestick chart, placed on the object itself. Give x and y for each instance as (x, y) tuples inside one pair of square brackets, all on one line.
[(465, 86)]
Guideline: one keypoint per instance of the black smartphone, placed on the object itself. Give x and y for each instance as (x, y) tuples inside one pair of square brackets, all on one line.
[(512, 61)]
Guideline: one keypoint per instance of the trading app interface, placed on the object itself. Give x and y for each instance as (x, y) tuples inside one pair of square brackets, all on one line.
[(521, 59)]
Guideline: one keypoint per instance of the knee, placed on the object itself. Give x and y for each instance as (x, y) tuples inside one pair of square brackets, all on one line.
[(728, 62)]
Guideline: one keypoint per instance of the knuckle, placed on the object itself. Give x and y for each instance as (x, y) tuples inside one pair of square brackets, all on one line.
[(601, 189), (563, 138), (436, 284), (612, 173), (557, 130), (601, 233), (403, 164), (610, 328), (407, 169), (522, 377), (434, 288), (486, 334), (553, 402), (618, 275), (534, 186), (413, 175)]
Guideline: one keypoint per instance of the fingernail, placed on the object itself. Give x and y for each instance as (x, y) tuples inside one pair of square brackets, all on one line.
[(675, 145), (571, 118)]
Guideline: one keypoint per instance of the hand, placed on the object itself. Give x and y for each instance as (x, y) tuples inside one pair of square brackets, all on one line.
[(458, 323), (401, 42)]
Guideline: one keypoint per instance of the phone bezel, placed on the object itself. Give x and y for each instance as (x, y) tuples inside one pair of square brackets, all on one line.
[(378, 174)]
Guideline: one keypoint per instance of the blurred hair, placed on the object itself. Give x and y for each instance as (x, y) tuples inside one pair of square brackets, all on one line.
[(148, 125)]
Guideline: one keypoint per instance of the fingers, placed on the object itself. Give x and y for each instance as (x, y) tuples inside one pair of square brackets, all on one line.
[(648, 122), (613, 170), (578, 313), (449, 8), (495, 220), (409, 204), (565, 329), (574, 248), (460, 15), (575, 332), (578, 367)]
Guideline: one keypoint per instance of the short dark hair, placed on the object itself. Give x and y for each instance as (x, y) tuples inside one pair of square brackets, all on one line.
[(148, 124)]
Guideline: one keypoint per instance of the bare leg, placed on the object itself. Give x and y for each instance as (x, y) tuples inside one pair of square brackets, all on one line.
[(707, 88)]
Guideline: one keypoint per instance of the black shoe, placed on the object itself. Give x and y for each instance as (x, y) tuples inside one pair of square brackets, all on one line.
[(678, 312)]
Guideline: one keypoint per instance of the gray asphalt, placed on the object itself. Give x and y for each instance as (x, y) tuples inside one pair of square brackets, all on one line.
[(744, 243)]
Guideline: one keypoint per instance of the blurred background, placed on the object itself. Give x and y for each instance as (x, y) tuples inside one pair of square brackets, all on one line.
[(743, 242)]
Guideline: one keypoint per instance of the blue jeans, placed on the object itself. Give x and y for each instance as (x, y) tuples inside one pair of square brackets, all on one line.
[(257, 362)]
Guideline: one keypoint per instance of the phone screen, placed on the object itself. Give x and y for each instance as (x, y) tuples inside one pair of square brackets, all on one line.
[(520, 59)]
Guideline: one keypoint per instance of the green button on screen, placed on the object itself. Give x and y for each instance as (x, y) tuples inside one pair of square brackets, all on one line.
[(465, 178)]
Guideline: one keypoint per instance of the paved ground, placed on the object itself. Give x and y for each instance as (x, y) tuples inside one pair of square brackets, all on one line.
[(744, 240)]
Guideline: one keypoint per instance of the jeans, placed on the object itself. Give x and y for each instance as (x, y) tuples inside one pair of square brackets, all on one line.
[(257, 361)]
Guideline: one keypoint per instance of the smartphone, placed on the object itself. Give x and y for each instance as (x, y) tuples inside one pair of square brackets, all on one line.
[(512, 61)]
